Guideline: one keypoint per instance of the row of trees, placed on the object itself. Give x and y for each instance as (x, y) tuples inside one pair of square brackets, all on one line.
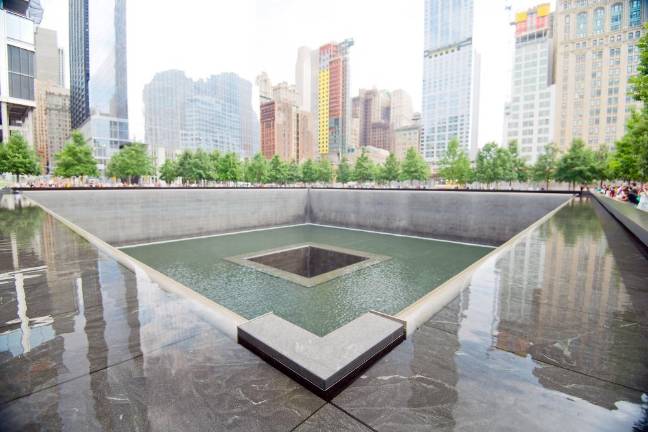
[(199, 165), (495, 164)]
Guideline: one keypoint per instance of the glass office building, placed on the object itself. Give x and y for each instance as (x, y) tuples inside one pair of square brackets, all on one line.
[(450, 78), (98, 83)]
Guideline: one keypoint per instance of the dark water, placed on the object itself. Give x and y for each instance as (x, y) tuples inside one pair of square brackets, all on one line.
[(416, 267)]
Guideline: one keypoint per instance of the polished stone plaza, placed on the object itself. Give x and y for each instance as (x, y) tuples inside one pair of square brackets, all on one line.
[(548, 335)]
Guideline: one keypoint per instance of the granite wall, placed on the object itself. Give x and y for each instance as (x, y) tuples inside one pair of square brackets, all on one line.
[(122, 217)]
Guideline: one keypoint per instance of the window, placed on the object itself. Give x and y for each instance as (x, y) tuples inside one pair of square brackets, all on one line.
[(615, 17), (635, 13), (567, 20), (581, 24), (599, 20), (21, 73)]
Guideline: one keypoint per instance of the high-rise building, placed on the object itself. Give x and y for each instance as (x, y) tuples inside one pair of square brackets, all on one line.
[(407, 137), (285, 130), (98, 75), (333, 100), (450, 78), (52, 113), (303, 78), (401, 109), (372, 108), (596, 54), (528, 116), (210, 114), (17, 96)]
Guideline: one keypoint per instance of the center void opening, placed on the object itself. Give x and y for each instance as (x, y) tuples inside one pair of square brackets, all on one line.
[(308, 261)]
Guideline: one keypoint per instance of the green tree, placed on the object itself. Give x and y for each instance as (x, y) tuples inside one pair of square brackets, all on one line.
[(602, 159), (640, 81), (214, 159), (229, 168), (520, 168), (130, 163), (414, 166), (488, 165), (578, 165), (17, 158), (391, 170), (278, 170), (168, 171), (545, 167), (324, 170), (506, 168), (364, 169), (343, 171), (256, 170), (293, 173), (75, 159), (309, 172), (455, 165), (630, 159)]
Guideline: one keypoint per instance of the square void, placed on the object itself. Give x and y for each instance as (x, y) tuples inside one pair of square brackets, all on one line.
[(308, 264)]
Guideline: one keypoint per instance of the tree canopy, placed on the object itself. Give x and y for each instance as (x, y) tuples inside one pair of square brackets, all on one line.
[(578, 165), (75, 159), (414, 166), (364, 170), (391, 170), (455, 165), (344, 171), (130, 163), (545, 167), (18, 158)]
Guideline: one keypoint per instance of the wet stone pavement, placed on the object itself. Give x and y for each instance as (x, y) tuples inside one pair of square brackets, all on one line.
[(549, 335)]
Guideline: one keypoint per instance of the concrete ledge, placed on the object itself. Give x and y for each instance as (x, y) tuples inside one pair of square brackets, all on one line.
[(636, 221), (322, 362)]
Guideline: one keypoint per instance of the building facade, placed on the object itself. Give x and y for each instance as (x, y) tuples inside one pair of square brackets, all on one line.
[(210, 114), (98, 75), (52, 113), (401, 109), (596, 54), (372, 108), (528, 116), (407, 137), (17, 89), (334, 100), (450, 78)]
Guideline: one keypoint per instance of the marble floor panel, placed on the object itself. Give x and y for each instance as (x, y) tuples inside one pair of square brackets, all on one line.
[(331, 419)]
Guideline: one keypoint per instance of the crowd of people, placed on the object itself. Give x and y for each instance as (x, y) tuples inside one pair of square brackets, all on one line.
[(632, 193)]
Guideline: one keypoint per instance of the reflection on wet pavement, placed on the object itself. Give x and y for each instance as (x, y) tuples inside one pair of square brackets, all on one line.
[(549, 335)]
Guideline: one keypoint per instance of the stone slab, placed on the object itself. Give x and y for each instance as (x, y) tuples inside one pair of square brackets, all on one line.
[(325, 361)]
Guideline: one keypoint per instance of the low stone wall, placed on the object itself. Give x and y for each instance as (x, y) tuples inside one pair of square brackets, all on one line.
[(122, 217), (477, 217), (636, 221)]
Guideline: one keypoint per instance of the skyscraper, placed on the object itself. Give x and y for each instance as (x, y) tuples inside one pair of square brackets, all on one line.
[(596, 54), (52, 113), (210, 114), (450, 78), (303, 78), (401, 109), (372, 108), (98, 83), (528, 117), (17, 20), (334, 100)]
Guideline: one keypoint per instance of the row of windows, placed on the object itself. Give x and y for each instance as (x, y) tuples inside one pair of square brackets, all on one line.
[(598, 19)]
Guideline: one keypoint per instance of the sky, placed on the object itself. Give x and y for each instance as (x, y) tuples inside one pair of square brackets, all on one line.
[(204, 37)]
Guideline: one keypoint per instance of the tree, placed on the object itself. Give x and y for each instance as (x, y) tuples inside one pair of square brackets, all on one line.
[(130, 163), (343, 171), (309, 172), (168, 171), (364, 169), (545, 167), (488, 165), (630, 160), (578, 165), (214, 159), (324, 170), (505, 167), (293, 173), (640, 81), (414, 167), (75, 159), (391, 170), (229, 168), (256, 170), (602, 159), (16, 157), (455, 165), (277, 170), (520, 168)]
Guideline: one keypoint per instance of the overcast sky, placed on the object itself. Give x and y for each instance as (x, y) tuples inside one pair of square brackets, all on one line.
[(204, 37)]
